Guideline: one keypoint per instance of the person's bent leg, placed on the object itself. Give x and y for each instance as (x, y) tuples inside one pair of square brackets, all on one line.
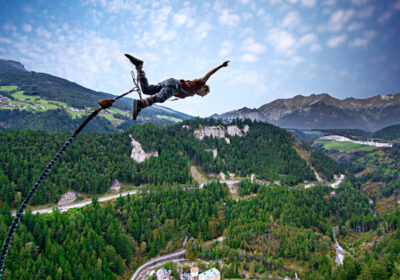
[(160, 97), (144, 84)]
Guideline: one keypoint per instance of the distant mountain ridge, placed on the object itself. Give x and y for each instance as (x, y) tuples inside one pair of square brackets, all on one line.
[(29, 100), (322, 111)]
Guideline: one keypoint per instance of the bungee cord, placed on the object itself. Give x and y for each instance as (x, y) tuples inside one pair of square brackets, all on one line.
[(104, 104)]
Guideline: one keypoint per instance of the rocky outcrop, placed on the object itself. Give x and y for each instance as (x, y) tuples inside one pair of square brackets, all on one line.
[(221, 132), (138, 154), (214, 152), (116, 186), (67, 198)]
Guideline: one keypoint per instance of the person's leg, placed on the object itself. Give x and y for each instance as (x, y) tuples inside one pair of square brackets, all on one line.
[(144, 84), (169, 88)]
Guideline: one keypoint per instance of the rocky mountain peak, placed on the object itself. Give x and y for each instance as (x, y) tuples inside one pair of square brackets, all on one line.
[(322, 111)]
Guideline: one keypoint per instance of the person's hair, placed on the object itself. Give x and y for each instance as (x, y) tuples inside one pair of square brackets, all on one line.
[(204, 91)]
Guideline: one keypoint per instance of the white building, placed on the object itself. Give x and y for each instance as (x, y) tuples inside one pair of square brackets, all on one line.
[(212, 274)]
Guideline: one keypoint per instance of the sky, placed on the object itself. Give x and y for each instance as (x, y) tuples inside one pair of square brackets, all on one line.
[(277, 48)]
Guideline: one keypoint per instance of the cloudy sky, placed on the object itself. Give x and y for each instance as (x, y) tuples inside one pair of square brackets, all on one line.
[(277, 48)]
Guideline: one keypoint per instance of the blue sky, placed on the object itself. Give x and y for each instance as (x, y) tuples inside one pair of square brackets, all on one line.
[(277, 48)]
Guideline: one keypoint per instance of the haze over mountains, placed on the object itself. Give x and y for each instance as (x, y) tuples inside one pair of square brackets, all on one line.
[(322, 111)]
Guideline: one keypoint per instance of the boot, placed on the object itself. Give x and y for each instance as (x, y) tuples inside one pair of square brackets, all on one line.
[(136, 108), (137, 62)]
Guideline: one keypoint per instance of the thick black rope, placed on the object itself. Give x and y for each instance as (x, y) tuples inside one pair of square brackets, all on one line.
[(45, 173)]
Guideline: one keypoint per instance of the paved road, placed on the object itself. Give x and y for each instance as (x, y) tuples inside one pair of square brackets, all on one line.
[(81, 204), (149, 265), (334, 185), (102, 199), (156, 260)]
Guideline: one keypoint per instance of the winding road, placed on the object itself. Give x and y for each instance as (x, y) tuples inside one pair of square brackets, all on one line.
[(81, 204), (156, 260)]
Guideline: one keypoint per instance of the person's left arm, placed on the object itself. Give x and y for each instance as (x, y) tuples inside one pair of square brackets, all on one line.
[(210, 73)]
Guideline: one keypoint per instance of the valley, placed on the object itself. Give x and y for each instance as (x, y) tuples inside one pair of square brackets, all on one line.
[(256, 211)]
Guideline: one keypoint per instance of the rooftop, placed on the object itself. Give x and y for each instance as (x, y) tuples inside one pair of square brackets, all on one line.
[(209, 273)]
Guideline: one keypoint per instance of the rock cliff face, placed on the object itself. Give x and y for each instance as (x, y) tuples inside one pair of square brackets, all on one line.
[(321, 111), (221, 132), (138, 154)]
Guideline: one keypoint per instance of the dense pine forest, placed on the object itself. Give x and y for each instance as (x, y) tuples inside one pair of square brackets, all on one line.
[(272, 226), (97, 159)]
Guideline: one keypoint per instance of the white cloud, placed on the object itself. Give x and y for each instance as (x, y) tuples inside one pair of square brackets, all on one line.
[(359, 2), (282, 41), (385, 16), (184, 17), (9, 27), (202, 30), (5, 40), (229, 18), (354, 26), (42, 32), (362, 42), (248, 57), (26, 28), (397, 5), (329, 2), (293, 1), (310, 40), (246, 16), (309, 3), (339, 19), (335, 41), (291, 19), (226, 48), (251, 46), (367, 12)]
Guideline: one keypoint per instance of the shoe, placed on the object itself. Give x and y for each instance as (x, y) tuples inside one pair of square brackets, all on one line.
[(136, 109), (137, 62)]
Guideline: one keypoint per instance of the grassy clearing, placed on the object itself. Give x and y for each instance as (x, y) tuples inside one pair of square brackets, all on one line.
[(8, 88), (197, 175), (169, 118), (348, 147), (19, 103), (109, 117), (75, 115), (119, 111)]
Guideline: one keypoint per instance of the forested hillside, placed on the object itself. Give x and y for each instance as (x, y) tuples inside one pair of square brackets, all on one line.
[(32, 100), (281, 230), (97, 159), (272, 228)]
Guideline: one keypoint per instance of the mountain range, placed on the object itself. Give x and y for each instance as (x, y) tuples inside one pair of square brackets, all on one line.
[(32, 100), (322, 111)]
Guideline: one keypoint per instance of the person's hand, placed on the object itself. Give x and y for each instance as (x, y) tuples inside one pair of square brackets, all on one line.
[(225, 63)]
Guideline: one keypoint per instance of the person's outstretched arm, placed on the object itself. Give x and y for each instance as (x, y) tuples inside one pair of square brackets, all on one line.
[(208, 75)]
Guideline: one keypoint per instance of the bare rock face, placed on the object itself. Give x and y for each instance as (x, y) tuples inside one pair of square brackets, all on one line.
[(210, 131), (222, 176), (221, 132), (138, 154), (214, 152), (233, 130), (67, 198), (116, 186)]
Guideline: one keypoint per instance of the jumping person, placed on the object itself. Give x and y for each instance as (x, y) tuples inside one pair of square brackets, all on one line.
[(168, 88)]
